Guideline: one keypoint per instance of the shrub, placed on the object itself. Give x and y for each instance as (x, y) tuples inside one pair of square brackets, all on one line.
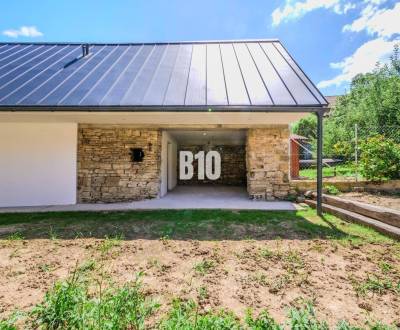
[(72, 305), (304, 319), (380, 158), (185, 316), (343, 149), (8, 324), (263, 322), (204, 267), (332, 190)]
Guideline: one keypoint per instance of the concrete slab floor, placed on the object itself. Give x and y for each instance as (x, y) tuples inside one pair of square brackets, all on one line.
[(182, 197)]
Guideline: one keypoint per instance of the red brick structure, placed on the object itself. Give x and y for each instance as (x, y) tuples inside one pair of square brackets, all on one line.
[(295, 155)]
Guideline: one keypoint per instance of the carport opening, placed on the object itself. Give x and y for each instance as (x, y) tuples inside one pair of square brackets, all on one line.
[(230, 146)]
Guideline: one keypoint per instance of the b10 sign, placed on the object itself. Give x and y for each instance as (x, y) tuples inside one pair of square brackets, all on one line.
[(208, 165)]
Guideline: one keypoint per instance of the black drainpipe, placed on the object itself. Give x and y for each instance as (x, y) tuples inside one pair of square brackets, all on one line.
[(320, 116)]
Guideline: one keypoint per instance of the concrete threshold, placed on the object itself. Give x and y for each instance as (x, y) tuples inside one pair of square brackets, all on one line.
[(181, 198)]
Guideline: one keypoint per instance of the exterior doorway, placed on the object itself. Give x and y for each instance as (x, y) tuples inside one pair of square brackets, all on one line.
[(229, 144)]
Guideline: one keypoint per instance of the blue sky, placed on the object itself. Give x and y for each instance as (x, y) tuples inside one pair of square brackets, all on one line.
[(331, 39)]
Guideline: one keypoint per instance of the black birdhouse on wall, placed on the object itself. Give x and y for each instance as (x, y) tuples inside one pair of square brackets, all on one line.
[(137, 154)]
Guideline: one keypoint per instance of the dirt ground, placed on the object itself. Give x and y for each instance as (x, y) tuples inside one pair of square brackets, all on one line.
[(390, 201), (222, 260)]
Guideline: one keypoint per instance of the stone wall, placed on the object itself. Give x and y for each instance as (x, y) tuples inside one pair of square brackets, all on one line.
[(106, 172), (268, 162), (388, 187), (233, 165)]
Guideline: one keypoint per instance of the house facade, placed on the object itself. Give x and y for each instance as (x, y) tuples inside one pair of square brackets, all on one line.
[(108, 122)]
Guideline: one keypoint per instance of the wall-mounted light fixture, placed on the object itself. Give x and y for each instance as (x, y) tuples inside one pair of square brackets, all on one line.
[(137, 154)]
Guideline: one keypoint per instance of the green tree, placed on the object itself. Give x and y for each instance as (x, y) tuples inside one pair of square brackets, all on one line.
[(380, 158), (373, 103), (306, 127)]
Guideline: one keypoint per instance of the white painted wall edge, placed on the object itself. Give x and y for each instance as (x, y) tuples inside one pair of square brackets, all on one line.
[(38, 164)]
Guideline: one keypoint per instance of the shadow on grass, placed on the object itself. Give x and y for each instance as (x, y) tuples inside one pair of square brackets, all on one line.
[(173, 224)]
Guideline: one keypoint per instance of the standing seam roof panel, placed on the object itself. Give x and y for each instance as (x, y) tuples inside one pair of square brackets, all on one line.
[(156, 92), (300, 73), (277, 89), (127, 76), (20, 93), (7, 54), (71, 64), (153, 75), (196, 88), (25, 72), (46, 76), (110, 77), (296, 87), (257, 91), (30, 80), (7, 48), (235, 86), (58, 93), (78, 92), (104, 69), (176, 92), (216, 88), (138, 88), (15, 64)]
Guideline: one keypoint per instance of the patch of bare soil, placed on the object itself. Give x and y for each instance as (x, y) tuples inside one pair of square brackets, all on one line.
[(390, 201), (231, 274)]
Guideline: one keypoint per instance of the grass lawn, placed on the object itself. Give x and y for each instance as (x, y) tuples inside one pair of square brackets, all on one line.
[(339, 171), (193, 264)]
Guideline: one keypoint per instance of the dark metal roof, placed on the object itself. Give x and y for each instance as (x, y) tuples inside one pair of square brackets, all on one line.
[(253, 73)]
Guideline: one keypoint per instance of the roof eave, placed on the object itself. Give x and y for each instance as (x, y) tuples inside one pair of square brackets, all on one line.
[(216, 108)]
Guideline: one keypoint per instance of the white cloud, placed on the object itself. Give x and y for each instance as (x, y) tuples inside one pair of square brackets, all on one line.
[(293, 10), (23, 31), (362, 60), (381, 22)]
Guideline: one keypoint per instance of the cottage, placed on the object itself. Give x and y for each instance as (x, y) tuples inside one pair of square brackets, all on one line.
[(106, 122)]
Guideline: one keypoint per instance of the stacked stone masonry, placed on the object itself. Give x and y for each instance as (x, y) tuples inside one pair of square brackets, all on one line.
[(106, 172), (268, 163), (233, 165)]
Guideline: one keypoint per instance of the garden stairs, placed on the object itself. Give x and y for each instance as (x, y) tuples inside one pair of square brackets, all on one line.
[(382, 219)]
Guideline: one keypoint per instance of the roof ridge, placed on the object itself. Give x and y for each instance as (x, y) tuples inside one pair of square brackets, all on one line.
[(140, 43)]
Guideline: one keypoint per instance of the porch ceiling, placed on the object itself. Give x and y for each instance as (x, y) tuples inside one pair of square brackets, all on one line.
[(206, 136), (159, 119)]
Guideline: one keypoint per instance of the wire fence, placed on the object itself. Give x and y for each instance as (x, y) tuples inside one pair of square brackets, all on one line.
[(344, 158)]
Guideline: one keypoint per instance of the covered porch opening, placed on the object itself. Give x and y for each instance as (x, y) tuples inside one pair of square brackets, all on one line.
[(230, 146)]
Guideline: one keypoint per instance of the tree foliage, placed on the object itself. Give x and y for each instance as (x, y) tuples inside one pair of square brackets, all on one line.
[(373, 103), (380, 158)]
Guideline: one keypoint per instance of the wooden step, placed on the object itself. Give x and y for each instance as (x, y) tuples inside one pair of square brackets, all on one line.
[(358, 218), (384, 214)]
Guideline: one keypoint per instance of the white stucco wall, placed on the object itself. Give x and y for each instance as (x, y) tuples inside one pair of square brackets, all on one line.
[(38, 164), (168, 180)]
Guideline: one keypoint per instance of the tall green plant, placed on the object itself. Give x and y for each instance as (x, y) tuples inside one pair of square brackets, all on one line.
[(380, 158), (74, 304)]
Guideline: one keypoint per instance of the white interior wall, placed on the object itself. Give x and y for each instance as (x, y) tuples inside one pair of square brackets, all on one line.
[(173, 164), (38, 164), (168, 180)]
